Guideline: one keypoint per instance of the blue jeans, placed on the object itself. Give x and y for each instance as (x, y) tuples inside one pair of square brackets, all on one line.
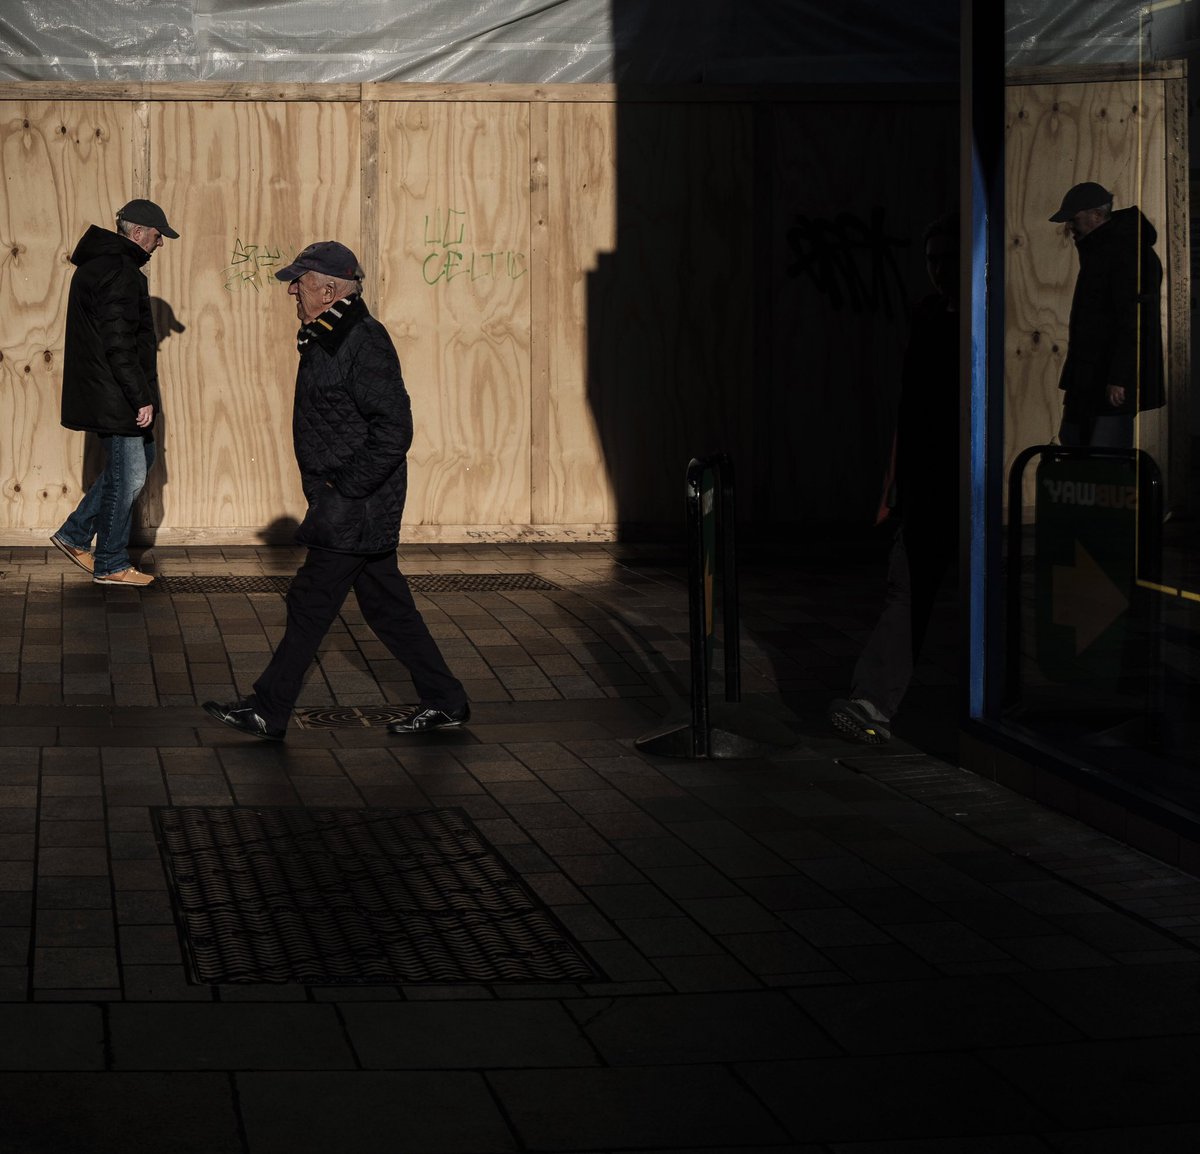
[(106, 511)]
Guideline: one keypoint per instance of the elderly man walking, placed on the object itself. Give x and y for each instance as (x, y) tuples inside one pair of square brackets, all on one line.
[(351, 429), (110, 385)]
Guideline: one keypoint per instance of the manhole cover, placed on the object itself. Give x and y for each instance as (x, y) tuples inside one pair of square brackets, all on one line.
[(351, 896), (418, 582), (347, 717)]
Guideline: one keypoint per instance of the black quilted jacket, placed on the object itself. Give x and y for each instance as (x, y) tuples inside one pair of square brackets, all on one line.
[(110, 357), (352, 426)]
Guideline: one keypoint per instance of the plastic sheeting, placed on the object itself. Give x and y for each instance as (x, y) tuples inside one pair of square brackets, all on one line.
[(1053, 33), (277, 41), (464, 41)]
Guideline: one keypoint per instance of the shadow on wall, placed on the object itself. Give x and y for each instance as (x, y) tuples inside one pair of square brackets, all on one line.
[(281, 531), (151, 509), (670, 311), (767, 252)]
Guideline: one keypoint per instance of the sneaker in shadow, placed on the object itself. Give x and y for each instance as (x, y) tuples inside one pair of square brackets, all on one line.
[(426, 719), (242, 716), (860, 720)]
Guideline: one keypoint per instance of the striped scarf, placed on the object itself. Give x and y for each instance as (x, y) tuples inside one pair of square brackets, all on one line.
[(333, 324)]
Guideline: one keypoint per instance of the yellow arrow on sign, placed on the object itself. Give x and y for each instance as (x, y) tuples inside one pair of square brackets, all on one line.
[(1086, 598)]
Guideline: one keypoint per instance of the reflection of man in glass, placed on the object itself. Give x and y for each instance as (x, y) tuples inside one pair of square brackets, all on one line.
[(1114, 365), (922, 487)]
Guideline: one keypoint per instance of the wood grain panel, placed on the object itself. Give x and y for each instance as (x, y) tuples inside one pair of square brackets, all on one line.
[(542, 257), (246, 185), (656, 302), (454, 292), (1057, 136), (584, 294), (66, 165), (1178, 264), (582, 227)]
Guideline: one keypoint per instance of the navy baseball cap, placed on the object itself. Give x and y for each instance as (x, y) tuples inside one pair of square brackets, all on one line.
[(324, 256), (147, 213)]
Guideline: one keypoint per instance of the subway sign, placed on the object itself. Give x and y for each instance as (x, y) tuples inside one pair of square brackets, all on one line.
[(1085, 566)]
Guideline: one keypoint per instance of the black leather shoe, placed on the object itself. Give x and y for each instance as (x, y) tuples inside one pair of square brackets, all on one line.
[(240, 715), (425, 719)]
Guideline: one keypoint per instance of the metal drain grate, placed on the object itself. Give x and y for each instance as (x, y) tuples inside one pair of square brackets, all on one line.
[(351, 896), (347, 717), (418, 582), (477, 582), (222, 584)]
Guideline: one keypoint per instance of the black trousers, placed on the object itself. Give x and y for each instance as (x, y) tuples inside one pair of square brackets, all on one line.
[(316, 596), (1107, 431)]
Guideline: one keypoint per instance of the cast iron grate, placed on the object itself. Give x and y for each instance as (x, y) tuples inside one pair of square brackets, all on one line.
[(353, 896), (221, 584), (348, 717), (418, 582), (478, 582)]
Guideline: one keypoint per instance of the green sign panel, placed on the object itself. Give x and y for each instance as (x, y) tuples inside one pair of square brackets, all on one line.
[(1085, 543)]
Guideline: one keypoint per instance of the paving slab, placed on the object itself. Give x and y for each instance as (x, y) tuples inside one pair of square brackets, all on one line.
[(703, 1028), (52, 1037), (956, 1014), (914, 1096), (371, 1112), (466, 1035), (660, 1106), (1091, 1085), (1122, 1001), (833, 949), (228, 1037), (109, 1113)]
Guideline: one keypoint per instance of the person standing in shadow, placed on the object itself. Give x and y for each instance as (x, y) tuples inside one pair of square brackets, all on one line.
[(1114, 366), (920, 496)]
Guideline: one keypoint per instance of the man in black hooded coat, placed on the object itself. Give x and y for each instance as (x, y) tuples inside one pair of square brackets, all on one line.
[(351, 428), (1114, 366), (110, 386)]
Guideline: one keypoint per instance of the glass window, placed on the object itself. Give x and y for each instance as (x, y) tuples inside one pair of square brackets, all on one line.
[(1099, 617)]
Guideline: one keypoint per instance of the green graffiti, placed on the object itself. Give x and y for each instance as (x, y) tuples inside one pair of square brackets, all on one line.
[(452, 264), (247, 261), (451, 258)]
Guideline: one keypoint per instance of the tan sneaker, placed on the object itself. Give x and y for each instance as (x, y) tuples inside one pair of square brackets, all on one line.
[(81, 557), (130, 576)]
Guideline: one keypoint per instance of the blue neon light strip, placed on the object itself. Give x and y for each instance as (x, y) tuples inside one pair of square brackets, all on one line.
[(977, 492)]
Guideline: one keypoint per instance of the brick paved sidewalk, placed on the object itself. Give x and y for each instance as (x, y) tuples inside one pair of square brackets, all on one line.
[(832, 949)]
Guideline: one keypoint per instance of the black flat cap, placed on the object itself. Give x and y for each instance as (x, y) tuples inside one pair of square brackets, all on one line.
[(324, 256), (148, 213), (1083, 196)]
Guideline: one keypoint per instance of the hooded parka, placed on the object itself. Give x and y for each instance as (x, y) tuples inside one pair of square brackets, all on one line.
[(110, 362), (351, 429), (1115, 333)]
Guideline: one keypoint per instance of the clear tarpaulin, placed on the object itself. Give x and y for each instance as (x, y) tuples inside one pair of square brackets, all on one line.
[(313, 41), (1059, 33), (473, 41)]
